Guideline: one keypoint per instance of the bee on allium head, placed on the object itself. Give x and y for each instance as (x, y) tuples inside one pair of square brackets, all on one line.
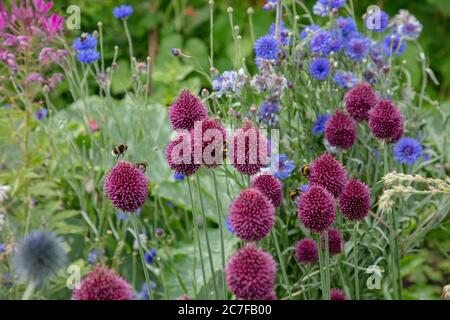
[(305, 170), (142, 166)]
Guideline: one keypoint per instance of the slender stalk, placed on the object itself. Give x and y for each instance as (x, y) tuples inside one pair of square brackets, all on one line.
[(327, 265), (211, 32), (283, 268), (26, 200), (141, 252), (278, 19), (130, 43), (250, 21), (355, 259), (28, 291), (321, 263)]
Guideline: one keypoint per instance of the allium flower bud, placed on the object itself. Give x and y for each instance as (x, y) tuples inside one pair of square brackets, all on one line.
[(271, 187), (354, 201), (126, 186), (252, 215), (327, 172), (306, 251), (186, 110), (337, 294), (341, 130), (316, 209), (103, 284), (334, 241), (180, 155), (359, 100), (250, 274), (386, 121)]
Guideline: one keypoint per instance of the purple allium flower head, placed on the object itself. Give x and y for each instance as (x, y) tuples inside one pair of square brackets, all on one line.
[(334, 241), (210, 137), (88, 56), (308, 30), (320, 68), (250, 273), (123, 11), (270, 186), (377, 21), (320, 124), (408, 150), (316, 209), (327, 172), (271, 296), (321, 42), (103, 284), (341, 130), (306, 251), (41, 114), (252, 215), (285, 167), (126, 186), (266, 48), (337, 294), (186, 110), (394, 44), (177, 160), (89, 42), (354, 201), (386, 121), (267, 114), (345, 79), (357, 46), (359, 100), (347, 26)]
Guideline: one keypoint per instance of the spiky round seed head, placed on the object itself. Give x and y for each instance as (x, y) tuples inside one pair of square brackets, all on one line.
[(178, 157), (386, 121), (306, 251), (270, 186), (359, 100), (341, 130), (186, 110), (327, 172), (334, 241), (354, 201), (337, 294)]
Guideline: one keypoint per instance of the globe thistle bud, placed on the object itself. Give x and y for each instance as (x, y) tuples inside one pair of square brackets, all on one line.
[(39, 257), (180, 155), (186, 110), (327, 172), (359, 100), (306, 251), (252, 215), (354, 201), (250, 274), (271, 187), (126, 186), (334, 241), (337, 294), (103, 284), (341, 130), (386, 121), (316, 209)]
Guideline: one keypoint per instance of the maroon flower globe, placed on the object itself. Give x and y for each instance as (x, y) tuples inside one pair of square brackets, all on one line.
[(270, 186), (249, 150), (340, 130), (337, 294), (334, 242), (386, 121), (180, 155), (354, 201), (103, 284), (316, 209), (252, 215), (250, 274), (186, 110), (210, 138), (126, 186), (327, 172), (271, 296), (359, 100), (306, 251)]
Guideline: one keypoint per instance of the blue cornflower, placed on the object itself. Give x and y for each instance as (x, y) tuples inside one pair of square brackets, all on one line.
[(88, 56), (345, 79), (320, 124), (336, 42), (178, 176), (229, 83), (123, 11), (347, 26), (320, 68), (357, 46), (303, 188), (41, 114), (150, 255), (89, 42), (376, 53), (284, 32), (122, 216), (335, 4), (266, 47), (321, 10), (2, 247), (308, 30), (229, 226), (407, 150), (285, 167), (267, 113), (320, 42), (395, 43), (95, 255), (143, 294), (377, 21)]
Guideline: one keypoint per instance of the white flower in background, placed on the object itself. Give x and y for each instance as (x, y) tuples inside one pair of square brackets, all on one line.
[(4, 192), (230, 83), (2, 221), (406, 24), (142, 238)]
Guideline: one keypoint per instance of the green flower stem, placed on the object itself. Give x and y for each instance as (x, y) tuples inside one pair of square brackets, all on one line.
[(211, 33), (130, 43), (141, 252), (321, 265), (29, 291), (283, 268), (327, 265), (355, 259)]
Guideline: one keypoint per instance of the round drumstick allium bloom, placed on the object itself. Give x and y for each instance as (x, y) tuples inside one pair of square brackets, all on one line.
[(354, 201), (316, 209), (341, 130), (250, 274), (210, 138), (252, 215), (249, 150), (39, 256), (186, 110), (337, 294), (327, 172), (271, 296), (306, 251), (334, 241), (180, 155), (271, 187), (103, 284), (126, 186), (386, 121), (359, 100)]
